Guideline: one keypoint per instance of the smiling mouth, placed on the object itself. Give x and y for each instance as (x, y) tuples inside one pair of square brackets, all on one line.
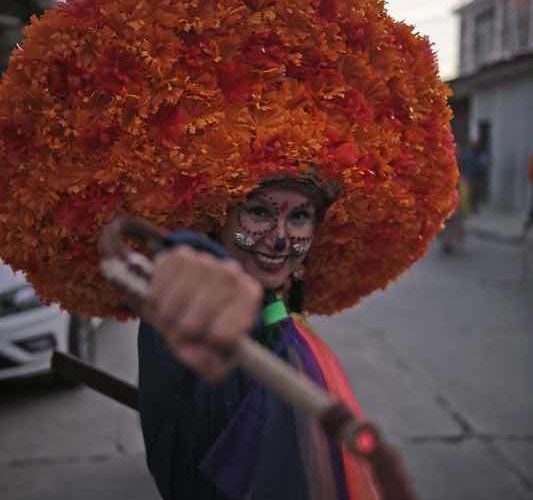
[(270, 260)]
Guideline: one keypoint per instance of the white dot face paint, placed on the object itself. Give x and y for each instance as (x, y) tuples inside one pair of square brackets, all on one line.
[(244, 240)]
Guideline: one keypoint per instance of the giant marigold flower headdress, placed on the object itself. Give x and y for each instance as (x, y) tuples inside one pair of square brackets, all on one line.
[(172, 110)]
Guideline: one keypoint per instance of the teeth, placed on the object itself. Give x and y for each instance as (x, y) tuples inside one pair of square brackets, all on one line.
[(270, 260)]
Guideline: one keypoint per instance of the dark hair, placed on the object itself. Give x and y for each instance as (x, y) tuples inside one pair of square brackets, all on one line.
[(295, 300), (323, 193)]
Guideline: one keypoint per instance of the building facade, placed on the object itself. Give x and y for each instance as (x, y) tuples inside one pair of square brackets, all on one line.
[(493, 94)]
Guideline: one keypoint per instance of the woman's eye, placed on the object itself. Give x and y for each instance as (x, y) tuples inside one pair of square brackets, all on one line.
[(257, 211), (301, 216)]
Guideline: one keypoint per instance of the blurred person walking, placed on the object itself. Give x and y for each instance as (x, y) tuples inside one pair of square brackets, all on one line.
[(473, 167), (527, 231), (453, 235), (528, 224)]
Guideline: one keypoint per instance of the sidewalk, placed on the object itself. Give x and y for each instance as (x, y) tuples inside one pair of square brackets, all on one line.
[(491, 224)]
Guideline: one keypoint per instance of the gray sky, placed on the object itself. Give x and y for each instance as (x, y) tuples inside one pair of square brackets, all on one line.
[(435, 19)]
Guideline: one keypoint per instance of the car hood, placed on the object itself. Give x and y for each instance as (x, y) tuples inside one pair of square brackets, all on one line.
[(10, 279)]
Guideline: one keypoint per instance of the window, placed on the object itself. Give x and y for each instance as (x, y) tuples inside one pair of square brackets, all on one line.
[(483, 36), (523, 12), (508, 28), (463, 45)]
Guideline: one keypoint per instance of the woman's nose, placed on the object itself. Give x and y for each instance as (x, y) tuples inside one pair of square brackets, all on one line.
[(277, 239), (280, 243)]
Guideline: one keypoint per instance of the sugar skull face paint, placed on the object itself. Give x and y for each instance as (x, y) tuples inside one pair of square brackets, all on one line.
[(292, 223), (270, 233)]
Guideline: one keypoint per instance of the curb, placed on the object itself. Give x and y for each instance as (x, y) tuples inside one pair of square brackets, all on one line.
[(495, 236)]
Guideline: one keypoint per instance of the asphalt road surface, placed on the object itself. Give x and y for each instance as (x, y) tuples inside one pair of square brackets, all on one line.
[(443, 360)]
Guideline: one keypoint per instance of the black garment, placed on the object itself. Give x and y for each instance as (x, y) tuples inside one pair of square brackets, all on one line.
[(182, 416)]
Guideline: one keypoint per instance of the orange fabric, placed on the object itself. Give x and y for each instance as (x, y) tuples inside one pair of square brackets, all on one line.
[(359, 481)]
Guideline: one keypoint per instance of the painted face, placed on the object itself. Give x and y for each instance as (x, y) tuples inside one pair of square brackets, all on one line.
[(270, 234)]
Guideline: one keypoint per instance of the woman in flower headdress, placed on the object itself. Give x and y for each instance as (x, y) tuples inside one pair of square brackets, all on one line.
[(235, 439), (310, 138)]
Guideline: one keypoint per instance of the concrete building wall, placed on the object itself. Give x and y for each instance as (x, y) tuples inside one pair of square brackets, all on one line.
[(508, 110), (503, 28)]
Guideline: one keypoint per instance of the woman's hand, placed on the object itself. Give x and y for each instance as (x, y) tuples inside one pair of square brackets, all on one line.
[(202, 306)]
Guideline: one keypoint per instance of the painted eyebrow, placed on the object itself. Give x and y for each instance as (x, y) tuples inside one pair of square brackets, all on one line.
[(258, 197), (307, 205), (261, 201)]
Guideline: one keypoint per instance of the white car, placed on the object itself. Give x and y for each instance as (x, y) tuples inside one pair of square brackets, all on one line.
[(30, 330)]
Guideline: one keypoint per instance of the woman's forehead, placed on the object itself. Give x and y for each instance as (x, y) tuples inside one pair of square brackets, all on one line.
[(281, 196)]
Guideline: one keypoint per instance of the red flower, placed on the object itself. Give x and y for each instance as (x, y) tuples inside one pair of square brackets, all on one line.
[(193, 57), (98, 139), (80, 9), (17, 137), (312, 61), (256, 5), (236, 81), (396, 110), (332, 136), (328, 9), (271, 150), (78, 252), (264, 51), (268, 168), (184, 189), (346, 154), (65, 78), (337, 153), (356, 107), (359, 35), (192, 54), (405, 164), (77, 214), (118, 70), (167, 125)]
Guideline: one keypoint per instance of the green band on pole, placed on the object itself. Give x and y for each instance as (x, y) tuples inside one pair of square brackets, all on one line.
[(273, 313)]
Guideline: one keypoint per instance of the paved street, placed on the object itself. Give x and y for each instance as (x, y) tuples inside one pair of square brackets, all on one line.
[(443, 361)]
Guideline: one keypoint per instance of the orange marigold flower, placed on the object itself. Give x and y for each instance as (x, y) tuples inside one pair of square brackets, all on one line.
[(174, 112)]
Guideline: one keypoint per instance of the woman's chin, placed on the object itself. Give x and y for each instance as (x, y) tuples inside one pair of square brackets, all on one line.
[(270, 279)]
